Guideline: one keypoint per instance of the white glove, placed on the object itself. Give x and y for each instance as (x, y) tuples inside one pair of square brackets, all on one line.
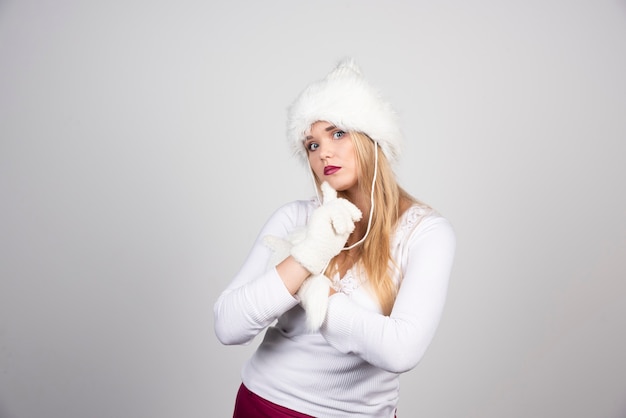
[(327, 231), (313, 296)]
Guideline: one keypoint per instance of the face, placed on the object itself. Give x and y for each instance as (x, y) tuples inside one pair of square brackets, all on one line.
[(332, 156)]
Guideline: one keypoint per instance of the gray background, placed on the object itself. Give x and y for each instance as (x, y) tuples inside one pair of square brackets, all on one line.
[(142, 148)]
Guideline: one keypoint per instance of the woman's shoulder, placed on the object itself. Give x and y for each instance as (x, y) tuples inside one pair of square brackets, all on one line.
[(420, 217), (422, 227), (287, 217), (298, 206), (295, 212)]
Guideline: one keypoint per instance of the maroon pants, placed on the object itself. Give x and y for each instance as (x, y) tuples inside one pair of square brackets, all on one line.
[(250, 405)]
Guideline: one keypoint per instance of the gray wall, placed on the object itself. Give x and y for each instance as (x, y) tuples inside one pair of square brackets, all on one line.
[(142, 147)]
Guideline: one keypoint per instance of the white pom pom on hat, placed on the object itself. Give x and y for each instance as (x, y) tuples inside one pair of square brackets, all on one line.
[(345, 99)]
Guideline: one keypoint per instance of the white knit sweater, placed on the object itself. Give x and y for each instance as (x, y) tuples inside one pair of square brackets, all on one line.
[(351, 367)]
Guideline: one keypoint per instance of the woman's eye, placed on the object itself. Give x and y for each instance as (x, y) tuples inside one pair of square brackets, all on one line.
[(312, 146), (338, 134)]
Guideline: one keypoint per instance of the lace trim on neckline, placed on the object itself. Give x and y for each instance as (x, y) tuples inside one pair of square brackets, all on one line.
[(347, 284), (408, 221)]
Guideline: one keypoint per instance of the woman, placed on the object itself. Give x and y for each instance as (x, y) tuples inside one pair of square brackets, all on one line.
[(350, 286)]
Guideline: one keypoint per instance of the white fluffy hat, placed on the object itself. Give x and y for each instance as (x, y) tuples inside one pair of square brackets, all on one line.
[(345, 99)]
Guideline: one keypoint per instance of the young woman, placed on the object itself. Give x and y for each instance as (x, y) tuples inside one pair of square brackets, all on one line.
[(349, 287)]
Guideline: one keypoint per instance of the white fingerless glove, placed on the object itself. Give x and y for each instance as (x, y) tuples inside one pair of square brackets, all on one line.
[(327, 231)]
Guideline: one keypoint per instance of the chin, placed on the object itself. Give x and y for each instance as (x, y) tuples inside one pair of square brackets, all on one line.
[(341, 186)]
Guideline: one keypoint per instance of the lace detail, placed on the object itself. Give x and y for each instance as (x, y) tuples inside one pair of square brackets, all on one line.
[(411, 217), (407, 223), (347, 284)]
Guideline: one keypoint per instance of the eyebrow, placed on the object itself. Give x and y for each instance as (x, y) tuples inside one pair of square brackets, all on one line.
[(328, 129)]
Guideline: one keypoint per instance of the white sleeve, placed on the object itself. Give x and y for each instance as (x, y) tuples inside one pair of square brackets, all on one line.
[(256, 296), (397, 343)]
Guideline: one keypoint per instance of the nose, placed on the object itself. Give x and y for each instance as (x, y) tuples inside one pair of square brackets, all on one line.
[(325, 151)]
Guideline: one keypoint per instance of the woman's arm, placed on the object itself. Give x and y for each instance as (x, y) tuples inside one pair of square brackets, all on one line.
[(396, 343), (259, 293)]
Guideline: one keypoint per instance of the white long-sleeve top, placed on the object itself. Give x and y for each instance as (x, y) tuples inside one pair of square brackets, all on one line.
[(351, 366)]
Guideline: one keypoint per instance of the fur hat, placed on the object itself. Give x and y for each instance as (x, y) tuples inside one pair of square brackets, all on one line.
[(345, 99)]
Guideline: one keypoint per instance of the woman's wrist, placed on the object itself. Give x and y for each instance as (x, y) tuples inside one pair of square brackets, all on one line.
[(292, 273)]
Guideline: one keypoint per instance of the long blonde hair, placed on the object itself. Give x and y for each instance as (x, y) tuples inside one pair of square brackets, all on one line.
[(374, 255)]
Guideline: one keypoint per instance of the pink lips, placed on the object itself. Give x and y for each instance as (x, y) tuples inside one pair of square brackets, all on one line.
[(331, 169)]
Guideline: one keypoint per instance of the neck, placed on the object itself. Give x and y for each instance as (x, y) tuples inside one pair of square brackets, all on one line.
[(364, 204), (360, 200)]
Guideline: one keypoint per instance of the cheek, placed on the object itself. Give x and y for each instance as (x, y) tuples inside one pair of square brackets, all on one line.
[(316, 166), (351, 157)]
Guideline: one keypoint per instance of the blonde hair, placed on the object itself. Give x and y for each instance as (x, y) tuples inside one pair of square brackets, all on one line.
[(374, 255)]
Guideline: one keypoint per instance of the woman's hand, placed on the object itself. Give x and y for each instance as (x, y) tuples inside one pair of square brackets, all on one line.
[(327, 231)]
